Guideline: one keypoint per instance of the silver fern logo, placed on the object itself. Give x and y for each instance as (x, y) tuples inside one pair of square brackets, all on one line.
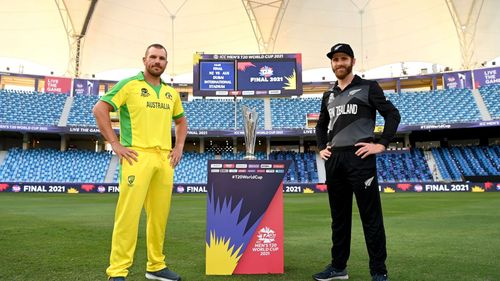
[(368, 182), (353, 92)]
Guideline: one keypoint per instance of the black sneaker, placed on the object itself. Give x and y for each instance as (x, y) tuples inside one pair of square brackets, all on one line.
[(380, 277), (330, 273), (163, 275), (116, 279)]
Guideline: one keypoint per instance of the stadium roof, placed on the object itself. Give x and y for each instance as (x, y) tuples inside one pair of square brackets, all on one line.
[(114, 33)]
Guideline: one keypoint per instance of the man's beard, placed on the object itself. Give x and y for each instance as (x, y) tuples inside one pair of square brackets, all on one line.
[(155, 73), (341, 76)]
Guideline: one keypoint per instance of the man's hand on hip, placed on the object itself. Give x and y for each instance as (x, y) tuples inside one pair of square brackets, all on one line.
[(124, 152), (367, 149), (325, 153)]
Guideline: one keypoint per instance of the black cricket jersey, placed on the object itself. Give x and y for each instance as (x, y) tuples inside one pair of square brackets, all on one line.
[(348, 116)]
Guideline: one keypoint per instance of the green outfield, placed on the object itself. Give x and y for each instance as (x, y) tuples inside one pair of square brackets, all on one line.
[(431, 236)]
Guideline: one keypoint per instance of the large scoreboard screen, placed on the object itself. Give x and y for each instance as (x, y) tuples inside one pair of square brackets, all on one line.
[(247, 75)]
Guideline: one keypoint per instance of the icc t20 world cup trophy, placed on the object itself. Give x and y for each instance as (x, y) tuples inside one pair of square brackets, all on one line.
[(250, 118)]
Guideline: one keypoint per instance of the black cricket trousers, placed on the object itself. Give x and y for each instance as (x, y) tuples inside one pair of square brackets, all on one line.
[(346, 174)]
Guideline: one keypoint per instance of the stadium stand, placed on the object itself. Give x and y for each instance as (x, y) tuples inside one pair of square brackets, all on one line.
[(476, 161), (193, 168), (117, 172), (50, 165), (81, 111), (442, 106), (446, 164), (210, 114), (491, 96), (226, 155), (405, 166), (291, 112), (455, 105), (30, 108), (303, 168)]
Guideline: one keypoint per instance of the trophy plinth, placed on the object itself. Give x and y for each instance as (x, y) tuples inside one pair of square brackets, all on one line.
[(250, 118)]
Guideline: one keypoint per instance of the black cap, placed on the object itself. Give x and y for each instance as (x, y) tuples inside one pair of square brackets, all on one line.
[(341, 48)]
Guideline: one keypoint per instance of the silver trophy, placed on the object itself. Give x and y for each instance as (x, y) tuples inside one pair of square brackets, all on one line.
[(250, 118)]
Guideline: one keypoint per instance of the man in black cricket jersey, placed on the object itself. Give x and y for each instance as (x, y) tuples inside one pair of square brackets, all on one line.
[(346, 142)]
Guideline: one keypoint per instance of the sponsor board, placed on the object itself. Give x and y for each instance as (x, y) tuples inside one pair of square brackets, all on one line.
[(307, 188), (438, 187), (54, 187)]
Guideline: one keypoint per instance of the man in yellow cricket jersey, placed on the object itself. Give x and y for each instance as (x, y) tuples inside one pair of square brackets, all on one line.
[(147, 106)]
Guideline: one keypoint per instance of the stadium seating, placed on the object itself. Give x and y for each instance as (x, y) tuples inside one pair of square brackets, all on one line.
[(303, 168), (442, 106), (405, 166), (50, 165), (30, 108), (192, 161), (455, 162), (226, 155), (117, 172), (291, 112), (430, 107), (210, 114), (455, 105), (433, 107), (446, 165), (193, 168), (491, 97), (81, 111), (476, 161)]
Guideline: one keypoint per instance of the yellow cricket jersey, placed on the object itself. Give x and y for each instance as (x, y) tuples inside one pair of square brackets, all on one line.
[(146, 113)]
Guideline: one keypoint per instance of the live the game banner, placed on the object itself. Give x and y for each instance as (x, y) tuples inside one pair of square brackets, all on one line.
[(57, 85), (292, 132)]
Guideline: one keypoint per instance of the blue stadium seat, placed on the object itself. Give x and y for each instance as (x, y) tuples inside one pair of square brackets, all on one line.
[(303, 168), (81, 111), (50, 165), (291, 112), (476, 161), (491, 96), (446, 165), (403, 166), (30, 108), (434, 107), (210, 114), (193, 167)]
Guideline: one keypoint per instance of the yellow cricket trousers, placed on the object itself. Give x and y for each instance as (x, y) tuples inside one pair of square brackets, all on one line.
[(147, 183)]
